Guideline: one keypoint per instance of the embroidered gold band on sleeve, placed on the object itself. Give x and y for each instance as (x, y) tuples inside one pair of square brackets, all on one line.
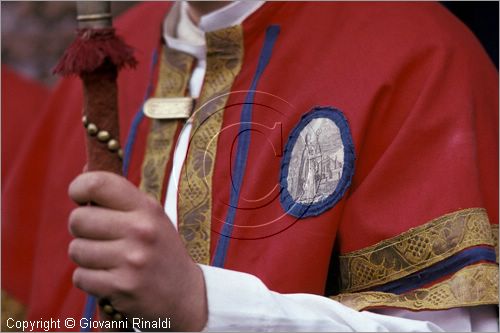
[(494, 232), (415, 249), (471, 286)]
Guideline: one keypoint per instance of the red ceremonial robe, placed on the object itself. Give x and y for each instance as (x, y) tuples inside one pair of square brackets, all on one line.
[(414, 96), (19, 226)]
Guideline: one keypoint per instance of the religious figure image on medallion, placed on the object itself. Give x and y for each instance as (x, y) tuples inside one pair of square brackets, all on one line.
[(316, 162)]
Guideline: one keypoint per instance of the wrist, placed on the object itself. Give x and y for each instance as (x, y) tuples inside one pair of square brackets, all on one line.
[(194, 304)]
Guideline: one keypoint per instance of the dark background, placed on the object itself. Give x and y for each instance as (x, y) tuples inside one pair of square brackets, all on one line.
[(35, 33), (482, 18)]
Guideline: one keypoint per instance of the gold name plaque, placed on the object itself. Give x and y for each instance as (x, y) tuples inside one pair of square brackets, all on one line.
[(168, 108)]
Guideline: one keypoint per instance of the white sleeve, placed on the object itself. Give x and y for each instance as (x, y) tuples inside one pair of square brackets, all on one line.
[(241, 302)]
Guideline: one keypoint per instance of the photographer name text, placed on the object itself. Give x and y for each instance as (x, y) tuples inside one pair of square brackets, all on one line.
[(86, 323)]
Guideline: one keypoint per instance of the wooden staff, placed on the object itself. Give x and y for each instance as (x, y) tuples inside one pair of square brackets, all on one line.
[(96, 55)]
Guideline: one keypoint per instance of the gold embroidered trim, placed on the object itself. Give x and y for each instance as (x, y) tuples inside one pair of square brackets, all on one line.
[(494, 232), (224, 58), (415, 249), (473, 285), (11, 309), (175, 68)]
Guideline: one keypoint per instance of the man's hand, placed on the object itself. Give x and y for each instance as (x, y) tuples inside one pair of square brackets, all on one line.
[(128, 252)]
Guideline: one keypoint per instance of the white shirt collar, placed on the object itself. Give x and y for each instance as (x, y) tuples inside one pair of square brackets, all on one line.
[(229, 15), (182, 34)]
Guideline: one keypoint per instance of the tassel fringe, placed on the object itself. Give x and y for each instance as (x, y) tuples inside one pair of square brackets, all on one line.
[(91, 48)]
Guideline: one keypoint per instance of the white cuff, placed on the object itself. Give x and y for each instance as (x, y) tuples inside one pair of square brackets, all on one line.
[(241, 302)]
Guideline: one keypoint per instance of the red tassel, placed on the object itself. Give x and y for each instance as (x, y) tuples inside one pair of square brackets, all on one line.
[(91, 48)]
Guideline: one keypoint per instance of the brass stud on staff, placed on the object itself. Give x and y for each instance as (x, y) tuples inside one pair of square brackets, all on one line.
[(108, 309), (118, 316), (113, 145), (92, 129), (103, 136)]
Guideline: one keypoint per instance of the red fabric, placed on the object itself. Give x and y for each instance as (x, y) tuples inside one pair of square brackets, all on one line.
[(421, 98), (418, 91), (20, 180)]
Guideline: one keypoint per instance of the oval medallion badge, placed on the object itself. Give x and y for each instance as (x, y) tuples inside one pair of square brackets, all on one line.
[(318, 163)]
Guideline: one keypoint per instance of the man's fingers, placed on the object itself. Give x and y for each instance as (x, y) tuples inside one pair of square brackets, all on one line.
[(105, 189), (98, 223), (94, 254), (95, 282)]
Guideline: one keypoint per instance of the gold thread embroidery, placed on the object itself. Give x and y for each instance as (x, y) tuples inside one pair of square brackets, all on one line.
[(473, 285), (494, 232), (11, 309), (415, 249), (224, 58), (173, 78)]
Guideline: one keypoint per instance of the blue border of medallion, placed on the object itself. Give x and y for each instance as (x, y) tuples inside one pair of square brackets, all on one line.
[(301, 210)]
